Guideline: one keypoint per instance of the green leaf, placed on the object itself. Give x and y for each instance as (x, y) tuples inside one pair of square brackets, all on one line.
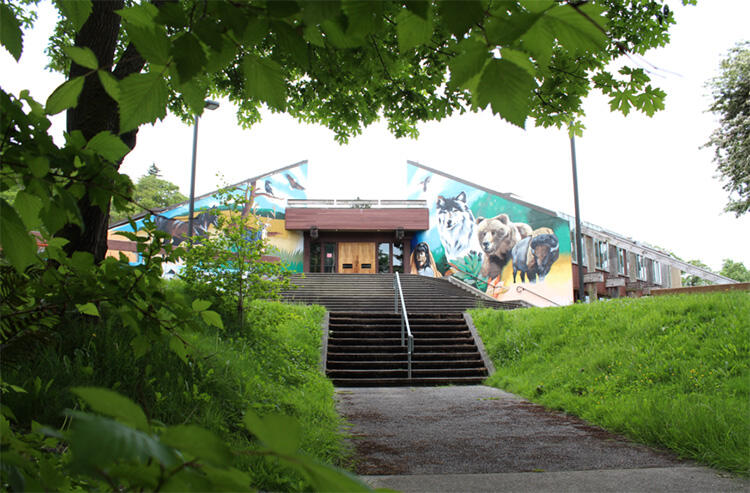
[(212, 318), (460, 15), (468, 63), (194, 94), (188, 54), (227, 479), (419, 7), (112, 404), (412, 30), (82, 56), (281, 434), (143, 15), (578, 29), (143, 99), (152, 41), (313, 35), (98, 442), (140, 343), (77, 11), (108, 146), (200, 305), (18, 245), (11, 35), (65, 96), (291, 43), (82, 261), (28, 207), (327, 478), (178, 347), (88, 309), (198, 442), (508, 89), (110, 84), (264, 81), (39, 166), (315, 13), (519, 58), (504, 30), (363, 17)]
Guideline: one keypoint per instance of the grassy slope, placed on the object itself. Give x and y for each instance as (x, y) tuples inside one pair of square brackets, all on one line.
[(671, 371)]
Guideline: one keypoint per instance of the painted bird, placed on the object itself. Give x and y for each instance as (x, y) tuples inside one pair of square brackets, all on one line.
[(293, 183), (268, 188), (425, 182)]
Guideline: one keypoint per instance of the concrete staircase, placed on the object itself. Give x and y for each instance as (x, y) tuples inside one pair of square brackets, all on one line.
[(364, 332), (364, 350), (374, 293)]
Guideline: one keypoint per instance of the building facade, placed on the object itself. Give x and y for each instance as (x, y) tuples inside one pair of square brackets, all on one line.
[(507, 248)]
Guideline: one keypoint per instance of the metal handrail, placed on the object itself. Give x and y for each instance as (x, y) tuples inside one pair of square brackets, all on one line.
[(398, 292)]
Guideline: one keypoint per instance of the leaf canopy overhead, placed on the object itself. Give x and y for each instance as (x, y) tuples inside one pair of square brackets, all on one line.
[(346, 63)]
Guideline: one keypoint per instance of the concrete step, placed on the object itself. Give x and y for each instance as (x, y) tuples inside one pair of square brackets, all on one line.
[(405, 382)]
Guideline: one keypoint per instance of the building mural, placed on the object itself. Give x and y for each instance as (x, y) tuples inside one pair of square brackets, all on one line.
[(503, 247), (265, 197)]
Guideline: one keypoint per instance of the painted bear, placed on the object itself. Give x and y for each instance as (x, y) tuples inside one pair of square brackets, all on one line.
[(497, 237)]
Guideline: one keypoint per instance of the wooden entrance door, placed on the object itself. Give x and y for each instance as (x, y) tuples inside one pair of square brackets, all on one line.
[(357, 258)]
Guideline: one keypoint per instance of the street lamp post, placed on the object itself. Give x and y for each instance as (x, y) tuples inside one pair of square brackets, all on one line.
[(209, 105), (581, 294)]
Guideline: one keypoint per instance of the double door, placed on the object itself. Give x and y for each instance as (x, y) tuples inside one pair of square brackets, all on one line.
[(357, 258)]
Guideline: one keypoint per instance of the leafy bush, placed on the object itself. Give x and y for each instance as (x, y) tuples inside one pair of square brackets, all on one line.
[(270, 368), (670, 371), (227, 266)]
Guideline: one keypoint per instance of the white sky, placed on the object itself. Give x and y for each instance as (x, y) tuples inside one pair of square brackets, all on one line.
[(646, 178)]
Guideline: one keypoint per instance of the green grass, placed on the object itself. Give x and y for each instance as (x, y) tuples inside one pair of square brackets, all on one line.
[(271, 366), (669, 371)]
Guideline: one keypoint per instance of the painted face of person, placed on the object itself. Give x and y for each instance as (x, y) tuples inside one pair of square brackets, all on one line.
[(421, 258)]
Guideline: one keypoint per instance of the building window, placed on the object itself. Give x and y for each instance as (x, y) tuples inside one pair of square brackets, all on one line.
[(657, 272), (601, 251), (621, 261), (329, 257), (384, 257), (574, 247), (640, 267), (398, 257), (315, 257)]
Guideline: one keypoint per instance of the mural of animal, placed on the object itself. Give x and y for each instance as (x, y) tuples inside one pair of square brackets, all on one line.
[(179, 229), (497, 237), (205, 220), (422, 262), (456, 227), (293, 183), (176, 228), (534, 255)]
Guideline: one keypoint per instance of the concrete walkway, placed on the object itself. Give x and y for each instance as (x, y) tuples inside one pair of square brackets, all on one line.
[(478, 438)]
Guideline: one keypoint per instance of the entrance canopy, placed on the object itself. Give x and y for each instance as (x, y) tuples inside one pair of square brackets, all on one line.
[(357, 215)]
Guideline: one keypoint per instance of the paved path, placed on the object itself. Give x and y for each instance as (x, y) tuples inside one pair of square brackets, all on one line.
[(478, 438)]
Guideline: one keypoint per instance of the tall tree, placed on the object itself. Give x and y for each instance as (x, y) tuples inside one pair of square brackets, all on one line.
[(340, 63), (731, 141), (691, 280), (735, 270), (150, 193)]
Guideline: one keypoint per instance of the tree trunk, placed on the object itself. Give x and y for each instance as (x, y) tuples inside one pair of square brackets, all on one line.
[(95, 112)]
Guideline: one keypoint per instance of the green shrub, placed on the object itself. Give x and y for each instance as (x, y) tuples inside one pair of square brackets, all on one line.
[(671, 371), (271, 366)]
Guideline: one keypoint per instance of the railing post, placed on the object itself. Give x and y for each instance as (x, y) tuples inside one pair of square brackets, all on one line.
[(410, 349), (395, 294)]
